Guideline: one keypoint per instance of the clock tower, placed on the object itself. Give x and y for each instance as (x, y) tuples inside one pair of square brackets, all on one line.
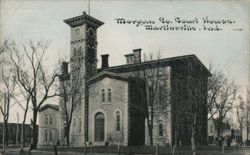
[(83, 64), (84, 42)]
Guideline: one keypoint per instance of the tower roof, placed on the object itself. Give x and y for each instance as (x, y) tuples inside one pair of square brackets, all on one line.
[(84, 18)]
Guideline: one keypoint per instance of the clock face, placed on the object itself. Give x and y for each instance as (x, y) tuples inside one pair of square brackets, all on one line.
[(91, 32), (77, 31)]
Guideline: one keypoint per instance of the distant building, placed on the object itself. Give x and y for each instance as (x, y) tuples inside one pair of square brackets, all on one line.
[(14, 129), (48, 126), (112, 102), (227, 132), (245, 133)]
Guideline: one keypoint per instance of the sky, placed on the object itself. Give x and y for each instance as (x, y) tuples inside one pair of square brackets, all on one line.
[(228, 49)]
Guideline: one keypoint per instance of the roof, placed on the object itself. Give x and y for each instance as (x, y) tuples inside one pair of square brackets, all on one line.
[(151, 64), (113, 75), (79, 20), (225, 125), (53, 106)]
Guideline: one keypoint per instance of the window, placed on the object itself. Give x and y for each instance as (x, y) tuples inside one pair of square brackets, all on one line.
[(79, 51), (160, 129), (46, 119), (46, 135), (99, 127), (190, 66), (103, 95), (50, 120), (161, 93), (74, 124), (118, 121), (74, 52), (109, 95), (50, 136), (80, 125)]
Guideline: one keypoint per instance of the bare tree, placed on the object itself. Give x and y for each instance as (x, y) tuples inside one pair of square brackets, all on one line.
[(4, 46), (156, 97), (23, 102), (8, 79), (240, 109), (243, 114), (34, 78), (197, 96), (215, 83), (190, 106), (221, 97), (71, 88), (247, 118)]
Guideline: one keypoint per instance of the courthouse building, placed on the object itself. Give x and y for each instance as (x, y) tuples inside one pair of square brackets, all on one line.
[(113, 99)]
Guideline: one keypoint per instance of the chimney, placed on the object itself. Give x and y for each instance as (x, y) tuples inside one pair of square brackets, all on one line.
[(105, 61), (130, 58), (65, 68), (137, 55)]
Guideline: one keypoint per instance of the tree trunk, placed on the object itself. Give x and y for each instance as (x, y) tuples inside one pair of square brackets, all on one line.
[(241, 133), (176, 137), (219, 130), (247, 125), (247, 131), (193, 143), (23, 128), (150, 131), (23, 134), (218, 133), (22, 138), (4, 135), (151, 126), (4, 124), (67, 135), (34, 131)]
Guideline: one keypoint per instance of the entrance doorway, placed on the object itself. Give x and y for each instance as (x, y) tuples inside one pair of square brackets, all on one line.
[(99, 127)]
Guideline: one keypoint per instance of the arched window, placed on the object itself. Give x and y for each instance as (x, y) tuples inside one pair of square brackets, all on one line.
[(118, 121), (99, 127), (50, 136), (50, 119), (103, 95), (46, 136), (74, 125), (160, 129), (74, 52), (109, 95), (80, 125), (79, 51), (45, 119)]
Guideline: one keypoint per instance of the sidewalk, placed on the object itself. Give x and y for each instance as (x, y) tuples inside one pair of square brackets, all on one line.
[(134, 151)]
